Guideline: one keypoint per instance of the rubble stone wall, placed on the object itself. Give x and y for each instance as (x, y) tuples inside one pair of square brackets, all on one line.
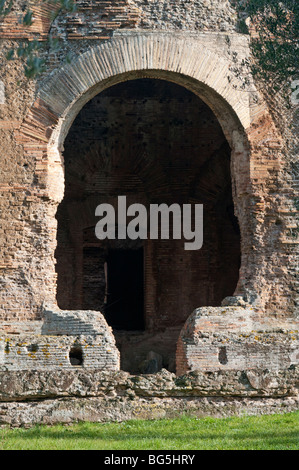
[(31, 397)]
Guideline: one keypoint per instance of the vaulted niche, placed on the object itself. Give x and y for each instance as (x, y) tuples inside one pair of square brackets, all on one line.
[(154, 142)]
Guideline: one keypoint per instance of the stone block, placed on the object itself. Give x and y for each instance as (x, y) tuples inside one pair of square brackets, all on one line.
[(235, 338)]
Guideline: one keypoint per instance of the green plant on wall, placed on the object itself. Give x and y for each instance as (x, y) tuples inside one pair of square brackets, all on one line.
[(274, 41), (34, 64)]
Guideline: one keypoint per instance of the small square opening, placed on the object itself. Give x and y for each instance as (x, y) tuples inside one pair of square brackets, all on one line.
[(76, 356)]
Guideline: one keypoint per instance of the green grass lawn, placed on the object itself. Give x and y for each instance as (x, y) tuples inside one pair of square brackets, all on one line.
[(273, 432)]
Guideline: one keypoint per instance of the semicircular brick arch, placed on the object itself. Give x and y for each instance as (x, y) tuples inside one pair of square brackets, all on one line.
[(186, 62), (180, 60), (152, 55)]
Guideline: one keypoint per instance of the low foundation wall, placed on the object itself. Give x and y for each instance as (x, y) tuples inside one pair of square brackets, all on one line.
[(39, 397), (230, 360)]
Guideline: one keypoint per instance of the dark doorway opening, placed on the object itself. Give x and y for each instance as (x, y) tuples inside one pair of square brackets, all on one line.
[(154, 142), (124, 309)]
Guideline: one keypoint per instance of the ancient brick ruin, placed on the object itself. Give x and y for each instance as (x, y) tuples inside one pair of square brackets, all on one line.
[(148, 107)]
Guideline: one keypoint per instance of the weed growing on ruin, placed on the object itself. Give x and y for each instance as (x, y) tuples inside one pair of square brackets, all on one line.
[(274, 29), (30, 50)]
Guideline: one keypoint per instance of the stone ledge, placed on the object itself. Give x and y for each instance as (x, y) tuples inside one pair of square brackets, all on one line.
[(80, 383), (70, 410)]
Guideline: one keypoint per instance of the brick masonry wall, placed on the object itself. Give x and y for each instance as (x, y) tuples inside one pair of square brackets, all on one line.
[(148, 40), (49, 353), (261, 208), (98, 19), (232, 338), (54, 342), (212, 339)]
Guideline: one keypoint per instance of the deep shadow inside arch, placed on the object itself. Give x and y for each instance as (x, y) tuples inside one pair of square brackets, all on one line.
[(155, 142)]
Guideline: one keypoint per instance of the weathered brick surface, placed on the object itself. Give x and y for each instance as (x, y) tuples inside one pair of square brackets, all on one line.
[(191, 44), (259, 204), (236, 338), (99, 19), (26, 352), (49, 344)]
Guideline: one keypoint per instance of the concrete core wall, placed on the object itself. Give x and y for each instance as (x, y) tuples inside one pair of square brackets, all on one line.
[(149, 107)]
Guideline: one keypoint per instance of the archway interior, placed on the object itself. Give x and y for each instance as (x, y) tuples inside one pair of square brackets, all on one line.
[(154, 142)]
